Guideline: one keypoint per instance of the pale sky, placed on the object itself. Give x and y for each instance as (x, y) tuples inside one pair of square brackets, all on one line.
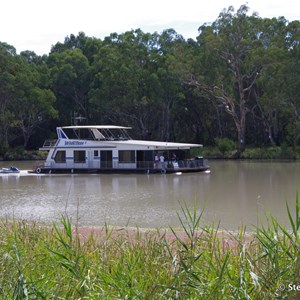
[(36, 25)]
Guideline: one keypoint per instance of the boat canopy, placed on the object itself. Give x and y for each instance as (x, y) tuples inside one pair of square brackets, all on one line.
[(94, 132), (95, 127), (117, 135)]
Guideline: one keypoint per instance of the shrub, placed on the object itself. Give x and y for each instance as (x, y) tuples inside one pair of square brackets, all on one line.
[(225, 145), (282, 152)]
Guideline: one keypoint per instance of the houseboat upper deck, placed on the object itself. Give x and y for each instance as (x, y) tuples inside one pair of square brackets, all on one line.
[(109, 148)]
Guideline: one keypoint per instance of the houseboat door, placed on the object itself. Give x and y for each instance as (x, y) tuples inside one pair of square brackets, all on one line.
[(90, 159), (145, 159), (106, 159)]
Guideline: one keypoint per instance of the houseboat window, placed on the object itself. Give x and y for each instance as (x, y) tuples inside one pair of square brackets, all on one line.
[(96, 153), (126, 156), (60, 156), (79, 156)]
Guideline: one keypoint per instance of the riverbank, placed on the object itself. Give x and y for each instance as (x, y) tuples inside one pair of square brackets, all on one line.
[(195, 262), (22, 154), (253, 153)]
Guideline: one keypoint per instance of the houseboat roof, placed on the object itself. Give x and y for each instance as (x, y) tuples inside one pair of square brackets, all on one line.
[(104, 133), (159, 144), (95, 127)]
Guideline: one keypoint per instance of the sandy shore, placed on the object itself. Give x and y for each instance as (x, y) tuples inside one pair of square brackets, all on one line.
[(227, 240)]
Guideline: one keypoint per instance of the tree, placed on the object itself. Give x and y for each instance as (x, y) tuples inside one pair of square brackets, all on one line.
[(122, 81), (33, 110), (292, 80), (33, 100), (25, 100), (194, 115), (230, 44), (8, 69), (169, 89), (70, 72), (88, 45), (32, 58), (277, 93)]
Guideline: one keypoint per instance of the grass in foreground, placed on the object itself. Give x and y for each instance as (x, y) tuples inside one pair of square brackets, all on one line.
[(38, 262)]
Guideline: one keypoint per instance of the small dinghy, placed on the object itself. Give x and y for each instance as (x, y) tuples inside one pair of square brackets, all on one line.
[(9, 170)]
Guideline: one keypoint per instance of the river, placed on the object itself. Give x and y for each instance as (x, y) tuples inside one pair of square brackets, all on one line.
[(233, 194)]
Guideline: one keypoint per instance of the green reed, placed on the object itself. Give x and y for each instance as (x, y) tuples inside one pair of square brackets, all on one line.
[(195, 262)]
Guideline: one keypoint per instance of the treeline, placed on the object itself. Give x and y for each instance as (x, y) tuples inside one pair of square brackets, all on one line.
[(239, 80)]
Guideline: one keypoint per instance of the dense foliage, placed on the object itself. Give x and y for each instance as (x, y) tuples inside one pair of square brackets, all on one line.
[(239, 80)]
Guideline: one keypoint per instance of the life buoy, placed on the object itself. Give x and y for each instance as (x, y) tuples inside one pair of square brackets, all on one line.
[(163, 171), (38, 170)]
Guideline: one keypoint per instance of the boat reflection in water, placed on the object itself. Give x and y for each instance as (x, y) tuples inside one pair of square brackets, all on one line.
[(93, 199)]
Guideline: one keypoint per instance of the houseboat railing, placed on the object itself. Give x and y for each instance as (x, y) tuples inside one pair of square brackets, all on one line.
[(180, 164), (49, 143)]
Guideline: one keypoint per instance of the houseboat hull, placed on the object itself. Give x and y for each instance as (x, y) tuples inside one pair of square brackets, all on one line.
[(48, 170)]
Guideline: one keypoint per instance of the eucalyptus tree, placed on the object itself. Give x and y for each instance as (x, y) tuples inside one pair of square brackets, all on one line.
[(230, 66), (169, 91), (292, 80), (70, 73), (8, 70), (194, 115), (33, 102), (71, 42), (277, 89), (271, 83), (25, 98), (33, 59), (88, 45), (122, 79)]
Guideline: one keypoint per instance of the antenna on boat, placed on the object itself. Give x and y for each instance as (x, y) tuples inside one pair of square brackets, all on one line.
[(76, 120)]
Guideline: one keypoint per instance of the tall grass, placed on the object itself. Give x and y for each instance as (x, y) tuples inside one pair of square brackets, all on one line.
[(195, 262)]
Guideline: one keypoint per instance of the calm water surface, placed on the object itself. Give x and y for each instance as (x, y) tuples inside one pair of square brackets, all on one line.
[(234, 194)]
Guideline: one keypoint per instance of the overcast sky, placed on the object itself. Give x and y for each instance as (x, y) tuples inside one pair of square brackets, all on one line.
[(36, 25)]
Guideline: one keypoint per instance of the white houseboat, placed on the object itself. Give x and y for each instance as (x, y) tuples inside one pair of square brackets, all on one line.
[(109, 149)]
